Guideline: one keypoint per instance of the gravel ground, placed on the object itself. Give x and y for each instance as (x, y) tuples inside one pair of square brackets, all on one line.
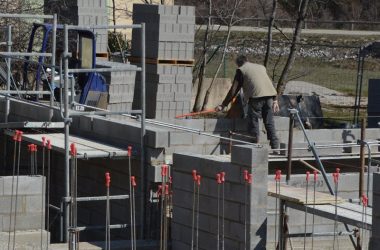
[(326, 95)]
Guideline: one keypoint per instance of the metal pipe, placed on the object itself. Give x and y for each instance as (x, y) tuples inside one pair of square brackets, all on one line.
[(104, 113), (23, 54), (143, 187), (6, 15), (290, 146), (24, 92), (92, 27), (97, 198), (297, 235), (53, 59), (9, 61), (116, 226), (362, 158), (67, 133), (100, 70), (314, 151)]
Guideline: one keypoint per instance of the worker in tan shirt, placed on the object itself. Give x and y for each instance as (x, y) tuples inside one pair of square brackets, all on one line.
[(261, 95)]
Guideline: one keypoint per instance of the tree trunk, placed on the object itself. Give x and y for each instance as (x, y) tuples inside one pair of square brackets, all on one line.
[(198, 100), (230, 23), (270, 26), (293, 49)]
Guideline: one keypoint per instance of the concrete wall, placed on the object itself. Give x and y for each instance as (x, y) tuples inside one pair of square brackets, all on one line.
[(243, 158), (30, 207)]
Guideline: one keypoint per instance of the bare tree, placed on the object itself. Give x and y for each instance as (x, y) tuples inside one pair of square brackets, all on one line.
[(202, 70), (293, 49), (269, 35), (231, 21)]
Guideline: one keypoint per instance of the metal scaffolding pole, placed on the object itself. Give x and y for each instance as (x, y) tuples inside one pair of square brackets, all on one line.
[(54, 48), (144, 183), (67, 131)]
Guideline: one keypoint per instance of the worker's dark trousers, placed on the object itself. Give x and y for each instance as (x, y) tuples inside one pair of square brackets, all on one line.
[(262, 107)]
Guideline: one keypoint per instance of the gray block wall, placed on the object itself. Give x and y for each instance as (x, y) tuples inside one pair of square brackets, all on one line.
[(375, 238), (169, 36), (243, 158), (121, 86), (30, 207)]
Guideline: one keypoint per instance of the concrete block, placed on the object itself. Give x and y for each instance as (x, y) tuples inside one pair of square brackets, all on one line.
[(246, 155), (28, 185), (180, 138), (26, 240), (30, 221)]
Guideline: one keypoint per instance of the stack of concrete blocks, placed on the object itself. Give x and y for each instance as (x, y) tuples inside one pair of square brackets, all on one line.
[(121, 85), (373, 103), (375, 237), (85, 13), (30, 207), (243, 158), (169, 37)]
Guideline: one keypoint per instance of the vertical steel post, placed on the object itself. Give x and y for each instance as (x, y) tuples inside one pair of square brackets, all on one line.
[(9, 61), (290, 147), (53, 51), (67, 134), (362, 159), (142, 167)]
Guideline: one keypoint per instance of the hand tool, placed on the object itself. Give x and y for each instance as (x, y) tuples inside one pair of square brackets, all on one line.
[(196, 113), (197, 229), (130, 190), (108, 240), (314, 188), (223, 179), (336, 182), (218, 182), (307, 190), (194, 175), (133, 182)]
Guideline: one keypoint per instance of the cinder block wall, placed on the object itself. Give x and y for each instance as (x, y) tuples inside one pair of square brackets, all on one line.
[(375, 238), (243, 158), (30, 207)]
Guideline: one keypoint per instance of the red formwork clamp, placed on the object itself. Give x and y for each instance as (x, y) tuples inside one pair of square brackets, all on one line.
[(48, 144), (43, 141), (194, 174), (15, 135), (133, 181), (164, 170), (73, 149), (34, 147), (336, 176), (364, 200), (223, 176), (170, 180), (307, 176), (166, 189), (245, 174), (250, 179), (277, 176), (19, 136), (129, 151), (315, 175), (218, 179), (159, 191), (108, 179), (198, 180), (30, 147)]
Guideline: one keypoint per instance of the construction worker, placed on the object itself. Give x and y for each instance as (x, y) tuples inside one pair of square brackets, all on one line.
[(261, 95)]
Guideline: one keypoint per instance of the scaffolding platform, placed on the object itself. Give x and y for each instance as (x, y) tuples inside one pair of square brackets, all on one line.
[(324, 205), (85, 148)]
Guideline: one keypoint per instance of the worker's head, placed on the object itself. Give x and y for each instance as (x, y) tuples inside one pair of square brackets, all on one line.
[(240, 60)]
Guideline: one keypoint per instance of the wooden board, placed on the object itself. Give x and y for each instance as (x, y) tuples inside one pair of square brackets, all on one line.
[(298, 195)]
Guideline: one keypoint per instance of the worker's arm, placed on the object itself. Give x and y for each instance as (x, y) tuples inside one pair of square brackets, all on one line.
[(234, 90)]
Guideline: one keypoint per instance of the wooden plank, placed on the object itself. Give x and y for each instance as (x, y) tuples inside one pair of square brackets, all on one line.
[(298, 195)]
